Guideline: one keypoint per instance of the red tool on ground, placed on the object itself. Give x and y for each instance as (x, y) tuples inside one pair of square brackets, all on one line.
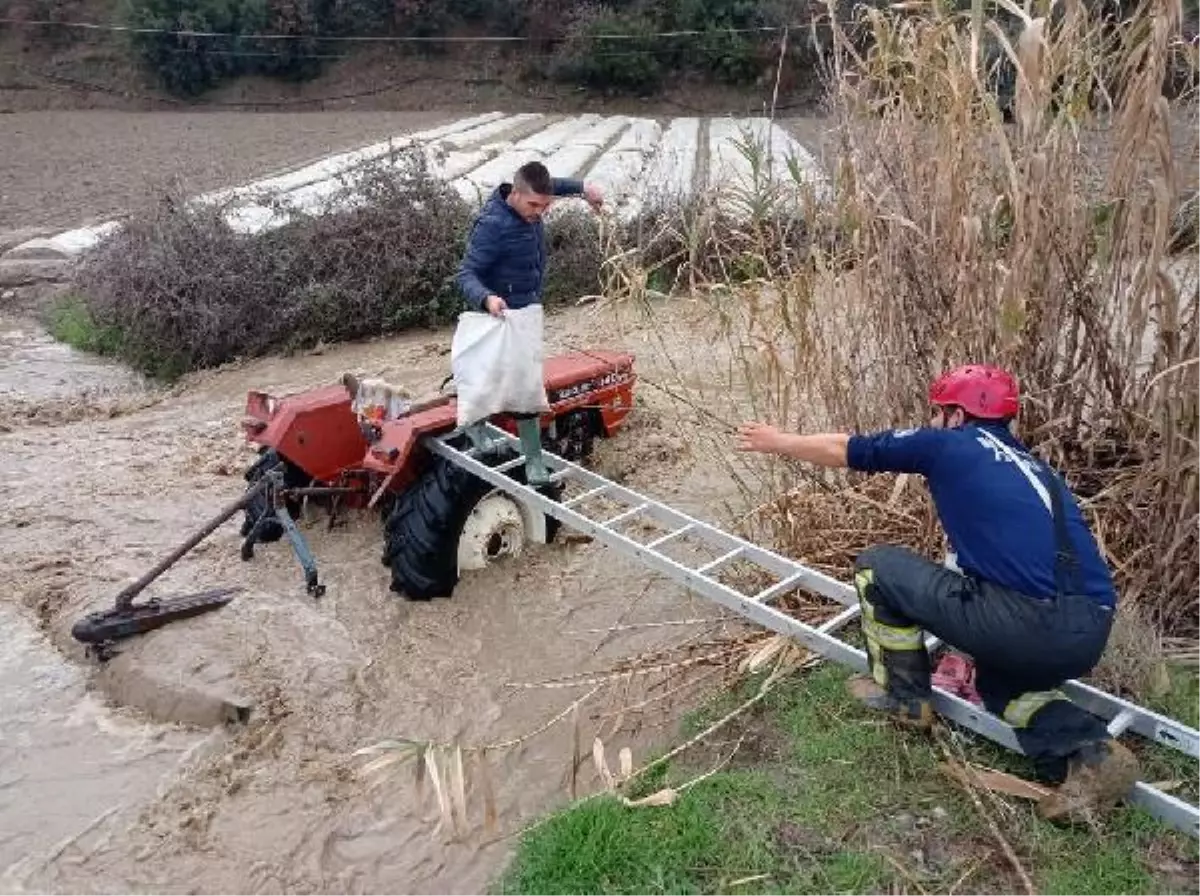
[(324, 446)]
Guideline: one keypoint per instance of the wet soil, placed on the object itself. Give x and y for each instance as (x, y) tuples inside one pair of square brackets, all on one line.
[(276, 803)]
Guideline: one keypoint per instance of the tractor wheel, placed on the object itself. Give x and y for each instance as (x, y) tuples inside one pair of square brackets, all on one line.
[(293, 477), (450, 520)]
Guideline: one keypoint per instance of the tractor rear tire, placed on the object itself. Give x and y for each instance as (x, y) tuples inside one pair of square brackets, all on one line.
[(422, 533)]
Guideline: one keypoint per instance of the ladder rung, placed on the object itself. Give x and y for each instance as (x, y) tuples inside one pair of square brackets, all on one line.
[(779, 588), (724, 558), (1121, 721), (510, 464), (590, 493), (840, 620), (624, 515), (670, 536)]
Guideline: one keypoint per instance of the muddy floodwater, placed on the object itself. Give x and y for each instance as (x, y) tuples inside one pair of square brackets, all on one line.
[(122, 776)]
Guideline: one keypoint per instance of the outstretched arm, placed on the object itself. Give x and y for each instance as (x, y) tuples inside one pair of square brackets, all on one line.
[(887, 451), (825, 449), (566, 186)]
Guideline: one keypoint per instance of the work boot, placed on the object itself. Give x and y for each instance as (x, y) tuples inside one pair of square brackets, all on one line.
[(536, 474), (912, 713), (1098, 775)]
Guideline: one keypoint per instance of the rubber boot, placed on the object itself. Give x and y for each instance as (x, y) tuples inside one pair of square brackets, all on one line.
[(1098, 775), (912, 713), (477, 435), (899, 679), (530, 433)]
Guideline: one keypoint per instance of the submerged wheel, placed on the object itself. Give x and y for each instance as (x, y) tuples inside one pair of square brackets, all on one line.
[(293, 477), (449, 521)]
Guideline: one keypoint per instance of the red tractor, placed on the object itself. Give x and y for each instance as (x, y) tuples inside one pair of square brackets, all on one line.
[(439, 520)]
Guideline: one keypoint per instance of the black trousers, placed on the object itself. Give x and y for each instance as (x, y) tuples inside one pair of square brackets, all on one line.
[(1023, 648)]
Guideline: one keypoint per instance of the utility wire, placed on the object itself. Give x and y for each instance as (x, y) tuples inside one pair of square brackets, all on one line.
[(449, 39)]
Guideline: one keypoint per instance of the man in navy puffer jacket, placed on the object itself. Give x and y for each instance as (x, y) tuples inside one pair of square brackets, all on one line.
[(505, 263), (506, 254)]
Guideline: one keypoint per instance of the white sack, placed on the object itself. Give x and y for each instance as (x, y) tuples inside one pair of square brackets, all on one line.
[(497, 364)]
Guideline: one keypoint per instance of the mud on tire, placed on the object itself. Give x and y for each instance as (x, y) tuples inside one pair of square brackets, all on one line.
[(422, 532)]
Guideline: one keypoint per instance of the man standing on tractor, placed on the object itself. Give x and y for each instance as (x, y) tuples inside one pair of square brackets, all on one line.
[(1032, 600), (505, 260)]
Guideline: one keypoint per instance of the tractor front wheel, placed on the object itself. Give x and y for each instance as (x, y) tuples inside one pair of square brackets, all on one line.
[(450, 520)]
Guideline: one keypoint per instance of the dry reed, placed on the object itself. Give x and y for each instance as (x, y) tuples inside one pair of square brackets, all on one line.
[(1042, 232)]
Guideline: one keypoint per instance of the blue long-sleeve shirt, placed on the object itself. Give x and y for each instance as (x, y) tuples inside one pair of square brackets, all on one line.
[(506, 255), (993, 504)]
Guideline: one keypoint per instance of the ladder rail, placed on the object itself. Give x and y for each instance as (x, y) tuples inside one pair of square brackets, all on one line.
[(815, 581), (1168, 808)]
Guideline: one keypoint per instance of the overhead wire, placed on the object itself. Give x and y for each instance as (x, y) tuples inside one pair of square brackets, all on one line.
[(397, 38)]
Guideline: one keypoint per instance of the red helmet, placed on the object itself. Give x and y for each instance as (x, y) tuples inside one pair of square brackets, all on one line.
[(989, 393)]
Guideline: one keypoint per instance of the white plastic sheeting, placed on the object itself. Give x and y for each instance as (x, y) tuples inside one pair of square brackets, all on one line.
[(670, 175), (617, 171), (335, 165), (639, 162)]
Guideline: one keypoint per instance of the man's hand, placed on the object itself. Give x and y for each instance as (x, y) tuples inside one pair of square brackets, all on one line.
[(495, 306), (759, 437), (828, 449), (594, 195)]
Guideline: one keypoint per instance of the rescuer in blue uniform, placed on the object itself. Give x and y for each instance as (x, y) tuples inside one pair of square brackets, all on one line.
[(504, 265), (1032, 600)]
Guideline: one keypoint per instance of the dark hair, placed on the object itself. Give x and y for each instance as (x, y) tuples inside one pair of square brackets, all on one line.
[(533, 177)]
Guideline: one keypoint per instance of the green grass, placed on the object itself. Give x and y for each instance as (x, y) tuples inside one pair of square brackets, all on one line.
[(69, 320), (823, 798)]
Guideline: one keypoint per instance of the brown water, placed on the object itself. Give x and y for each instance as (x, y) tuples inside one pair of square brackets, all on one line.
[(95, 498)]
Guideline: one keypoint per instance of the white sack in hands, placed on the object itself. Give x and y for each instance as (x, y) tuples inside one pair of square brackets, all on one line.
[(497, 364)]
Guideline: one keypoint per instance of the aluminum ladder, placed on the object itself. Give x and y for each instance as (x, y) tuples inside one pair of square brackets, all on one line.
[(1121, 715)]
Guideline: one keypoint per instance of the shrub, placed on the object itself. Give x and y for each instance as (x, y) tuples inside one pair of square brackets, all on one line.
[(574, 256), (189, 65), (185, 291), (626, 66), (735, 58)]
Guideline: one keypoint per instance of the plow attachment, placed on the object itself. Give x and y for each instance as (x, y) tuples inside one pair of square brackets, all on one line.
[(266, 501)]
